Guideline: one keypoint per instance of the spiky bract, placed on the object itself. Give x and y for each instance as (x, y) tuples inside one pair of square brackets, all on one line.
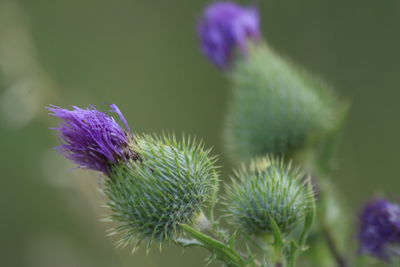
[(166, 188), (268, 190), (276, 109)]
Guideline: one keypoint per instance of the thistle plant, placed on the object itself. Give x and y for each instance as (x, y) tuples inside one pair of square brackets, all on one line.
[(282, 126), (275, 107), (154, 184)]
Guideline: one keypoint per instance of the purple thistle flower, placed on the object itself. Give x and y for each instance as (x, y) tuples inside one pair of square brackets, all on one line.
[(380, 228), (224, 27), (93, 139)]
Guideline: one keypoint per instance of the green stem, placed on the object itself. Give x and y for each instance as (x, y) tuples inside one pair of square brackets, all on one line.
[(332, 246), (324, 167), (325, 226), (223, 252), (278, 256), (278, 244), (291, 261)]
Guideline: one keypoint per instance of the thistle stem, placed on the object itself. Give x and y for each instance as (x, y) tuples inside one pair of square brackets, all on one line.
[(278, 256), (325, 229), (331, 244), (329, 236)]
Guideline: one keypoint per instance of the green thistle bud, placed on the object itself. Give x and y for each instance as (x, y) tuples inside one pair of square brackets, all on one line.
[(276, 109), (268, 192), (168, 186)]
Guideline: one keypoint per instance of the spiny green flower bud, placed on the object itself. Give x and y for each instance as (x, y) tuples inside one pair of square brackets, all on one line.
[(268, 191), (276, 108), (168, 186)]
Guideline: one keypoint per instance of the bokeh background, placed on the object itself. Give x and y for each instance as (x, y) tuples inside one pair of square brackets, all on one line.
[(144, 56)]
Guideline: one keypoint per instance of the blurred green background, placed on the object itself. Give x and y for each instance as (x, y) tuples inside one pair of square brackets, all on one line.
[(144, 56)]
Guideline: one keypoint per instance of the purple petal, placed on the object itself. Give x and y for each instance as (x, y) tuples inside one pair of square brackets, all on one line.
[(116, 110), (92, 139), (224, 27), (379, 228)]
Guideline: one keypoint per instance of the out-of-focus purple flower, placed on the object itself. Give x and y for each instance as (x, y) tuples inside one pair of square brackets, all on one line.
[(93, 139), (224, 27), (380, 228)]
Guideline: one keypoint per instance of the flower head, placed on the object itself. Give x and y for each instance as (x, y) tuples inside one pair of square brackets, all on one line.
[(168, 187), (380, 228), (91, 138), (224, 27), (268, 191), (277, 109)]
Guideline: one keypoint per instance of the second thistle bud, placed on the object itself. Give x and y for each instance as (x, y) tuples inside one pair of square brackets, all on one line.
[(267, 193), (276, 108)]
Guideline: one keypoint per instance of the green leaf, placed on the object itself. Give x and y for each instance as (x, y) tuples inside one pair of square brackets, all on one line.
[(308, 222), (188, 242), (294, 247), (292, 253), (222, 251), (278, 239)]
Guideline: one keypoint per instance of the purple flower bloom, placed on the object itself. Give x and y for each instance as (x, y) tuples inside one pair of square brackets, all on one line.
[(93, 139), (380, 228), (225, 26)]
